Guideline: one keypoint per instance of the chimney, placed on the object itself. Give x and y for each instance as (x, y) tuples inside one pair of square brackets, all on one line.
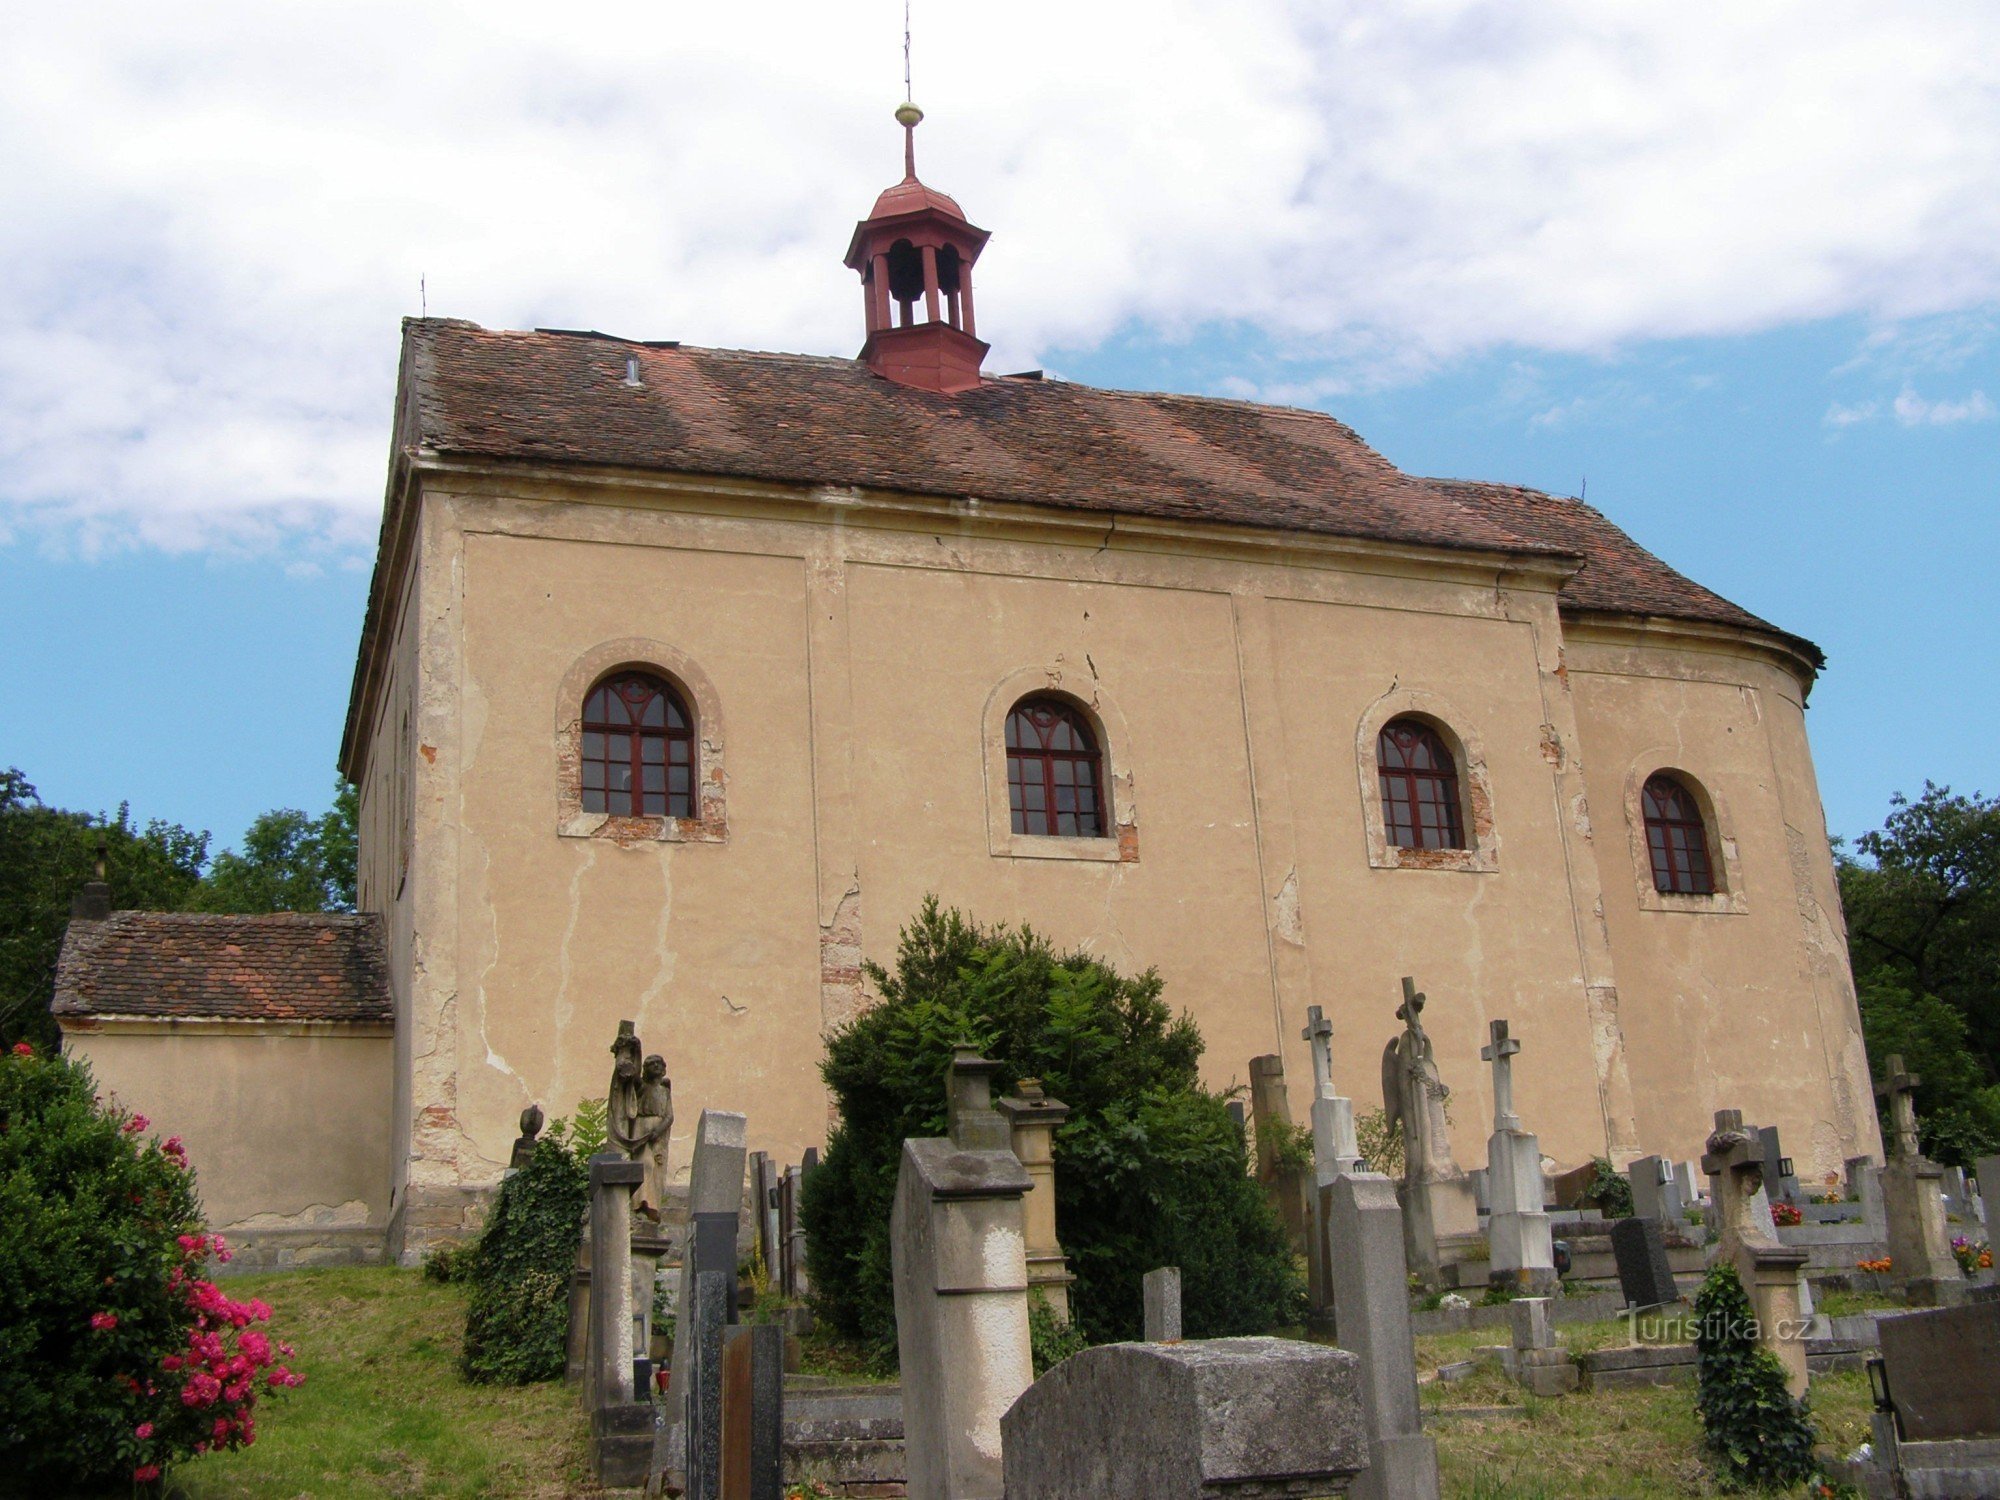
[(93, 902)]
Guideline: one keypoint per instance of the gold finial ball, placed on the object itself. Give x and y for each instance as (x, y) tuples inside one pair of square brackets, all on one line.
[(908, 114)]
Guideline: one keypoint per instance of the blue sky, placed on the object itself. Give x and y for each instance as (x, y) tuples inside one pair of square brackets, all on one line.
[(1742, 272)]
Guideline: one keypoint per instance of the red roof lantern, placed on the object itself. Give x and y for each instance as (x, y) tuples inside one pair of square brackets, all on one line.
[(915, 255)]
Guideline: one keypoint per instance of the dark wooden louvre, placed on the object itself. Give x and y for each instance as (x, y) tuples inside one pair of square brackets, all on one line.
[(1419, 787), (638, 749), (1676, 838), (1055, 773)]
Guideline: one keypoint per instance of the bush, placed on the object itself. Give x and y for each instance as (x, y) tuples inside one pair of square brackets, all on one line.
[(1051, 1338), (1150, 1168), (517, 1325), (1610, 1190), (1760, 1432), (117, 1358), (449, 1264)]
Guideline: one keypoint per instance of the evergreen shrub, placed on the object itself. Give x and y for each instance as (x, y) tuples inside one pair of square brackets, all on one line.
[(517, 1323), (1150, 1168), (118, 1358), (1762, 1434)]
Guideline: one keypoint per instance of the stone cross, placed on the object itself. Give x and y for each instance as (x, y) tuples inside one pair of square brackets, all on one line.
[(1501, 1055), (1898, 1089), (1319, 1032)]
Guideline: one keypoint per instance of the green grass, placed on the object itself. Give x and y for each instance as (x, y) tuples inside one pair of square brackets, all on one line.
[(1643, 1444), (384, 1411)]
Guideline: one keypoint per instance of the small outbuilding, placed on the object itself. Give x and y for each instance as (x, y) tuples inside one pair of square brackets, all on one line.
[(266, 1044)]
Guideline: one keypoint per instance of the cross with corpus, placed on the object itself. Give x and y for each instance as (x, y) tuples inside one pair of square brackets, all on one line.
[(1319, 1031), (1898, 1088), (1501, 1055)]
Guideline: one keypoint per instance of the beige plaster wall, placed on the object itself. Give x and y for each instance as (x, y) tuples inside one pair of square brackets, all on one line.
[(286, 1127), (857, 657), (1746, 1001), (387, 787)]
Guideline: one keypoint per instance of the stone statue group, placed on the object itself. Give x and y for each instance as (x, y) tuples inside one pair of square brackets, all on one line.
[(639, 1116)]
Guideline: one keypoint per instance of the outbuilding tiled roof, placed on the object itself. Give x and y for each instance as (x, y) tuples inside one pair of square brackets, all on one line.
[(553, 397), (288, 966)]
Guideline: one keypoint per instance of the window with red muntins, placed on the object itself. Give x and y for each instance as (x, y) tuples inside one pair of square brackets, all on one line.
[(1419, 787), (1055, 772), (638, 749), (1676, 838)]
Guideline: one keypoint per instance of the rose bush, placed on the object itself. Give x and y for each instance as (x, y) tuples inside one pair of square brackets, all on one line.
[(118, 1357)]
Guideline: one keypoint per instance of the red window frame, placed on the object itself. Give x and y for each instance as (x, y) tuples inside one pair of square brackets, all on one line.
[(1055, 771), (1676, 838), (1419, 780), (637, 749)]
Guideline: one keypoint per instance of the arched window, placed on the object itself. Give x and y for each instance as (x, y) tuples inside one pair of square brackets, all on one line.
[(1419, 787), (638, 749), (1676, 838), (1055, 773)]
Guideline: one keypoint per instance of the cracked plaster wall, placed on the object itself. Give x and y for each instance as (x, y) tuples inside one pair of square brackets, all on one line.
[(1744, 1002), (855, 666)]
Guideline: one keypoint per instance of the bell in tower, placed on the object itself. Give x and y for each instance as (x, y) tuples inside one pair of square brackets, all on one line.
[(915, 253)]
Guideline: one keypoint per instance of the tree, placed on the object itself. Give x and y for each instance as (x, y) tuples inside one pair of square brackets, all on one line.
[(1150, 1168), (289, 862), (1923, 917), (118, 1357), (46, 855)]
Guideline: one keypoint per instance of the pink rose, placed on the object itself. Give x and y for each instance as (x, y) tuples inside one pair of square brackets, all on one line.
[(146, 1473), (103, 1322), (143, 1431)]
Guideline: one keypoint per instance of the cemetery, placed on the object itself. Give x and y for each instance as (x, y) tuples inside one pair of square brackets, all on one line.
[(1419, 1328)]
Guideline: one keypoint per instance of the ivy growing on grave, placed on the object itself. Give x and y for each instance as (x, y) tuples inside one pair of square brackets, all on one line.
[(1758, 1431)]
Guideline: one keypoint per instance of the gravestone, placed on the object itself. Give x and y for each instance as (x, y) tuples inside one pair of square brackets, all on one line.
[(1437, 1200), (1864, 1186), (1032, 1120), (704, 1319), (1162, 1291), (621, 1419), (1957, 1200), (1216, 1419), (1640, 1248), (1335, 1151), (1688, 1178), (1988, 1168), (1270, 1103), (753, 1413), (524, 1145), (959, 1262), (1656, 1193), (1771, 1272), (1372, 1308), (608, 1365), (1933, 1359), (1538, 1361), (715, 1188), (1780, 1184), (1517, 1232), (1920, 1257)]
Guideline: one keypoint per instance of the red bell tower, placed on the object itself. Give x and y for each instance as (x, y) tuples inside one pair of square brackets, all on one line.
[(915, 255)]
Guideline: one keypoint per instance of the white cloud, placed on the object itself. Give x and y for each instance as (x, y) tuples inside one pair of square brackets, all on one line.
[(1913, 410), (212, 214), (1851, 416)]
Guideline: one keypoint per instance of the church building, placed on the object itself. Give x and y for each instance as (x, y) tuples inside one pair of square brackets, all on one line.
[(689, 673)]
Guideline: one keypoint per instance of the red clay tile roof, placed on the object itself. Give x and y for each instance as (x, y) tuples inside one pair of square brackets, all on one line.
[(1618, 576), (811, 420), (284, 967)]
